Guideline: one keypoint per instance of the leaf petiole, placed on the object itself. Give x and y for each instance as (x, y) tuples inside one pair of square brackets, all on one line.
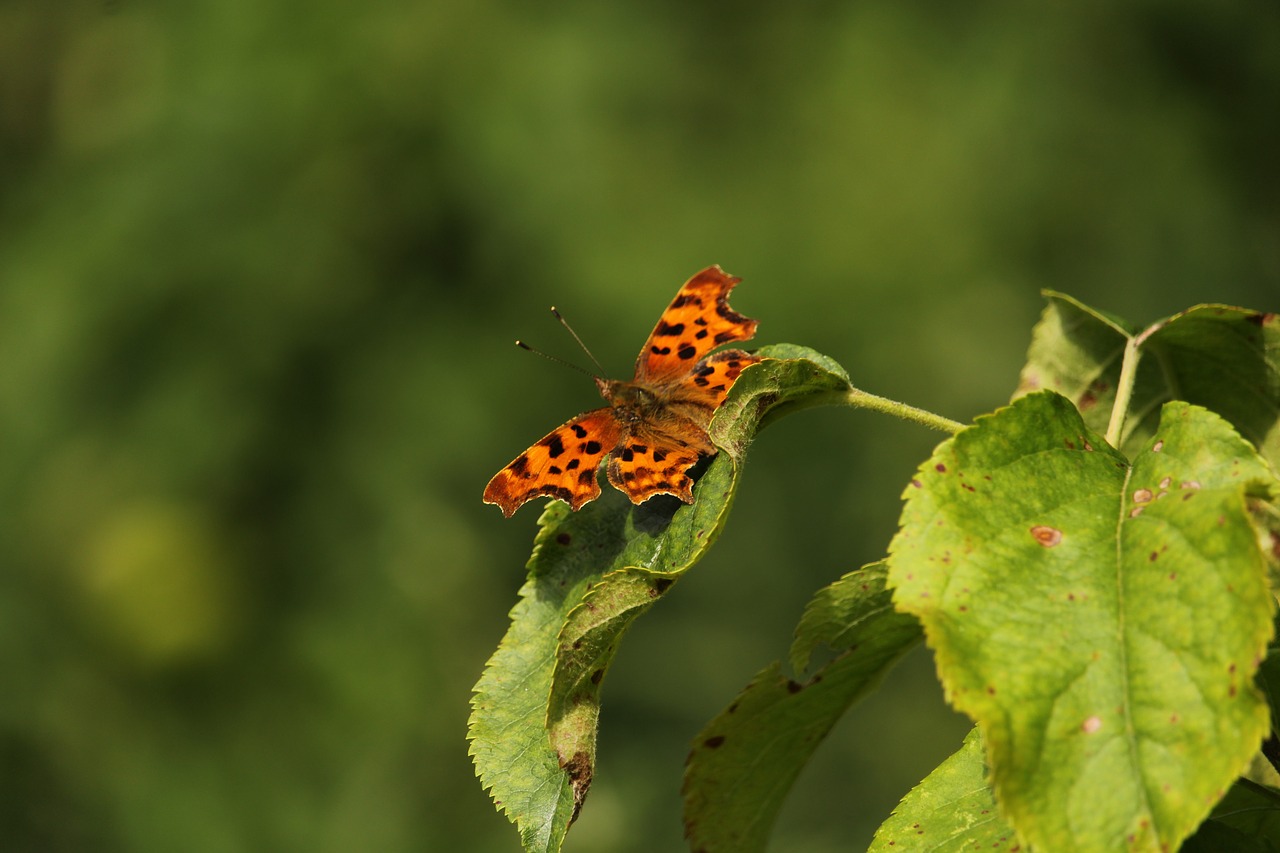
[(1128, 376), (863, 400)]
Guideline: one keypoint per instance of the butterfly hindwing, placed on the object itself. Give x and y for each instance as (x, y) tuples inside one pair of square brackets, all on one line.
[(563, 464), (697, 321), (642, 466)]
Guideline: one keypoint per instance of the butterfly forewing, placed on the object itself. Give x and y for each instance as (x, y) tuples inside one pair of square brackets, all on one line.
[(697, 321), (562, 464), (711, 380)]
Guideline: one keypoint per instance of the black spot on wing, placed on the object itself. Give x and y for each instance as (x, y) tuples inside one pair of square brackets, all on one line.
[(666, 329), (657, 350), (554, 446), (557, 492), (592, 448), (688, 351), (579, 430)]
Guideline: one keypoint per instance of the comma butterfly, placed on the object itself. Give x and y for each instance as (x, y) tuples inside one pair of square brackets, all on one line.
[(655, 426)]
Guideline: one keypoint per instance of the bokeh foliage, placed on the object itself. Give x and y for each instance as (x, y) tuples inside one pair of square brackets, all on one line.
[(260, 266)]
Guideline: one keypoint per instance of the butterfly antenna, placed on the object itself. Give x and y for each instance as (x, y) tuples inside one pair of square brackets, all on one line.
[(565, 323), (557, 360)]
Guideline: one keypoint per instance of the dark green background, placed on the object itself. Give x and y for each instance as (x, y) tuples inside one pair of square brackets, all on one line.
[(260, 269)]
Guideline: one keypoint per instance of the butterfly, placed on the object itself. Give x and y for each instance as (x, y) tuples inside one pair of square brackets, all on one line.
[(655, 426)]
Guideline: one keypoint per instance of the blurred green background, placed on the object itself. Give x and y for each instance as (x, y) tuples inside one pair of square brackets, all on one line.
[(261, 265)]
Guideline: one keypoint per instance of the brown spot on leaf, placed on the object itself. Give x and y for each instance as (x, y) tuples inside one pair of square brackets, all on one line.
[(1142, 496), (713, 742), (940, 468), (563, 538), (597, 676), (1046, 536), (579, 770)]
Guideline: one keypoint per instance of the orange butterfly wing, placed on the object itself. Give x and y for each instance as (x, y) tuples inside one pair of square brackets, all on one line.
[(563, 464), (697, 321)]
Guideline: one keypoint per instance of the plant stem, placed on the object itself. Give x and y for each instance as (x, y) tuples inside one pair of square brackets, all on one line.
[(1124, 387), (863, 400)]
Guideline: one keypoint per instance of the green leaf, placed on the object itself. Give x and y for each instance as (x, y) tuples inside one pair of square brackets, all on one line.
[(953, 809), (536, 706), (1247, 819), (798, 378), (1216, 837), (1100, 619), (1269, 683), (744, 762), (1076, 351), (1223, 358)]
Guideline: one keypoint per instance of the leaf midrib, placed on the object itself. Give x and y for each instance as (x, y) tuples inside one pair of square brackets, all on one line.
[(1122, 638)]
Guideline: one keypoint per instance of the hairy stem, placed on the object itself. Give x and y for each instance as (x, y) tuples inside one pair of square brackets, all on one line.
[(862, 400)]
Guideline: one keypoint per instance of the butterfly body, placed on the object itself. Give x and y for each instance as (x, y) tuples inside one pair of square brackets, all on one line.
[(654, 427)]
